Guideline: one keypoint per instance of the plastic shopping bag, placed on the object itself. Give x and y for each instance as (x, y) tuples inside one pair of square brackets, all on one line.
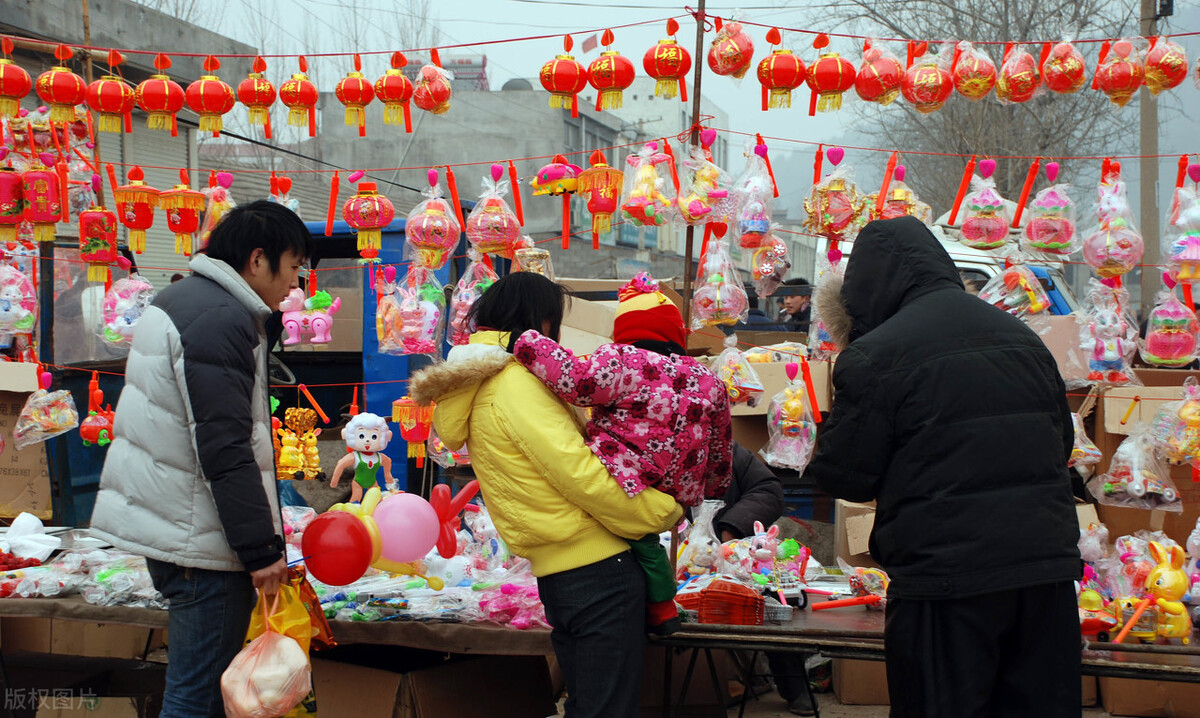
[(271, 676)]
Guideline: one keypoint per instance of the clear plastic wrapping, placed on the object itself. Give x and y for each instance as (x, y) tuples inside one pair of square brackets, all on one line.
[(475, 280), (1136, 477), (431, 228), (985, 224), (1171, 333), (492, 226), (791, 429), (1114, 246), (649, 195), (741, 381), (46, 414), (124, 304), (719, 297)]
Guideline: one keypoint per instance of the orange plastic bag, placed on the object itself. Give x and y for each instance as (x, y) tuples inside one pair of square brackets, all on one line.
[(271, 676)]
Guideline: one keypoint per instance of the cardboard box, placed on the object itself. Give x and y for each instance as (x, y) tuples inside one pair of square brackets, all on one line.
[(703, 699), (76, 638), (852, 531), (750, 431), (1090, 691), (773, 376), (860, 683), (339, 690), (1151, 699), (74, 706), (25, 473), (1062, 339)]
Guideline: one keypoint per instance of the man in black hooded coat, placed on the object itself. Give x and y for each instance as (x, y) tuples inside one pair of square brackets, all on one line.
[(952, 416)]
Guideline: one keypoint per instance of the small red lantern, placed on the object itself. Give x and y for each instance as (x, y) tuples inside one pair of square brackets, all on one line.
[(98, 241), (564, 79), (879, 76), (160, 97), (829, 77), (42, 201), (1064, 70), (300, 95), (356, 93), (1120, 73), (15, 83), (779, 73), (432, 89), (1166, 66), (10, 203), (211, 98), (183, 206), (112, 99), (668, 63), (394, 90), (601, 184), (610, 74), (369, 212), (415, 422), (1019, 79), (927, 85), (60, 88), (135, 206), (258, 94), (732, 50), (973, 71)]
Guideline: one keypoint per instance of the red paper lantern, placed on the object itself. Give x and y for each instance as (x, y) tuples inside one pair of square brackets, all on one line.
[(1120, 75), (368, 212), (780, 73), (668, 63), (135, 207), (11, 203), (927, 86), (731, 52), (98, 241), (974, 73), (300, 95), (42, 201), (415, 422), (183, 206), (61, 89), (112, 100), (610, 74), (879, 77), (356, 93), (601, 184), (1019, 79), (1166, 66), (258, 94), (210, 98), (564, 78), (394, 90), (829, 77), (1064, 70), (15, 84), (160, 97), (432, 90)]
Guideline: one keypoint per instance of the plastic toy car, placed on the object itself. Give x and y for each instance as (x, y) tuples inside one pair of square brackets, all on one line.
[(1137, 486)]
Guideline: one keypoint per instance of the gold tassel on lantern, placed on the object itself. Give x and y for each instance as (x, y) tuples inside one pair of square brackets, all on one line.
[(356, 115), (611, 99), (298, 117), (183, 244), (106, 123), (783, 98), (98, 273), (370, 239), (137, 241), (829, 102), (43, 232), (667, 88), (601, 223), (393, 114)]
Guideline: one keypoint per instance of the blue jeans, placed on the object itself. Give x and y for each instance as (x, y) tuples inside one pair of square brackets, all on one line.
[(208, 617), (598, 613)]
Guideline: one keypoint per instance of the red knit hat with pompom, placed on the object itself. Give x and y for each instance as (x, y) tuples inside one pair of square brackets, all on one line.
[(643, 312)]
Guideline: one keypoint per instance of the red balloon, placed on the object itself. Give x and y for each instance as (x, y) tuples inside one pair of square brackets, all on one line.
[(447, 512), (337, 548)]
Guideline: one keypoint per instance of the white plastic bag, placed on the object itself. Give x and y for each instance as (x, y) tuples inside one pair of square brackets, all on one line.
[(27, 538), (268, 678)]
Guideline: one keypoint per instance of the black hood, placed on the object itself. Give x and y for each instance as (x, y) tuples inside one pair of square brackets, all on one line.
[(893, 262)]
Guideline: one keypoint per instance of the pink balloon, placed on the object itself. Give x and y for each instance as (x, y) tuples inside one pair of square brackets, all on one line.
[(408, 527)]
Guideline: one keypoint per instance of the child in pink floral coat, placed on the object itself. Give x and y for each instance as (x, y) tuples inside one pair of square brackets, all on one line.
[(658, 417)]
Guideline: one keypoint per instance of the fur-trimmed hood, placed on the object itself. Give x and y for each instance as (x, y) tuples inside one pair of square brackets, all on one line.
[(454, 383), (832, 310)]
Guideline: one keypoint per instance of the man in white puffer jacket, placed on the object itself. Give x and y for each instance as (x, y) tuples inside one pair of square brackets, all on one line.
[(189, 481)]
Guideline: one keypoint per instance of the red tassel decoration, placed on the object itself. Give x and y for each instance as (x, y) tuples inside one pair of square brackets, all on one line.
[(454, 193), (1104, 48), (1029, 179), (64, 187), (566, 225), (674, 171), (516, 192), (887, 182), (817, 162), (962, 189), (812, 393), (333, 198), (766, 158)]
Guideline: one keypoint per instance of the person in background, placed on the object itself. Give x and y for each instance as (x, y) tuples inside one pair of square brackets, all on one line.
[(176, 277), (951, 415), (189, 481), (796, 312)]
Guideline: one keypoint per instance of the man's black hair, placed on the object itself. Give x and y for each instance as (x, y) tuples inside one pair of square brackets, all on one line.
[(518, 302), (260, 224)]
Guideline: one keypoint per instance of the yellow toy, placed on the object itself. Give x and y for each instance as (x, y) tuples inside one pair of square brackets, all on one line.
[(646, 205), (364, 511), (1168, 583), (290, 459), (312, 458)]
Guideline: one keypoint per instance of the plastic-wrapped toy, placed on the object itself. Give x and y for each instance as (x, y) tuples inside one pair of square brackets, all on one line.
[(901, 200), (719, 297), (732, 51), (1018, 80), (1122, 72), (741, 381), (492, 228), (1176, 427), (1051, 225), (432, 227), (701, 554), (97, 428), (791, 427), (820, 342), (1171, 333), (973, 71), (986, 223), (1084, 453), (533, 259), (1136, 477), (557, 178), (648, 197), (880, 74), (1181, 240), (835, 208), (1193, 568), (281, 188), (366, 436), (421, 303), (706, 186), (928, 84), (124, 304), (46, 414), (1017, 291), (762, 548), (1114, 246), (1108, 338), (769, 265), (756, 195), (18, 305), (1064, 70), (310, 317), (218, 203), (1168, 583), (474, 281), (431, 91)]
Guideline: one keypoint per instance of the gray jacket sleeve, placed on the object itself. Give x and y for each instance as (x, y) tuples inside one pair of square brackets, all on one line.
[(218, 361)]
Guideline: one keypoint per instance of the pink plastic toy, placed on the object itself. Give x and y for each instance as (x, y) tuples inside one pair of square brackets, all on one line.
[(310, 317)]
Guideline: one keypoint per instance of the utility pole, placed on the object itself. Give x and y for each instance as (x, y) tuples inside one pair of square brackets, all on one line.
[(690, 233), (1148, 170)]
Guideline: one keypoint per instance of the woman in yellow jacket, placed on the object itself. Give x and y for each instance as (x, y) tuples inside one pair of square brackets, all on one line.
[(552, 500)]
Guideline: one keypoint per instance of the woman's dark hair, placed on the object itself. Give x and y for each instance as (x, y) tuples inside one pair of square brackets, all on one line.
[(260, 224), (518, 302)]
